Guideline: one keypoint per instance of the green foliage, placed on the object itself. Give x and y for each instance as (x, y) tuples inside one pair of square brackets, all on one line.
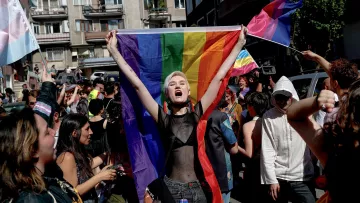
[(318, 23)]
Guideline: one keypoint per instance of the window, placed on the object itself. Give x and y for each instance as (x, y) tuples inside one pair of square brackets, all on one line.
[(211, 18), (83, 25), (189, 6), (51, 28), (115, 24), (147, 4), (179, 3), (302, 86), (36, 28), (81, 2), (113, 2), (54, 54)]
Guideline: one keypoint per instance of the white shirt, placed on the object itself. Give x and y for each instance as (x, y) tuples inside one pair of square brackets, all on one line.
[(284, 154)]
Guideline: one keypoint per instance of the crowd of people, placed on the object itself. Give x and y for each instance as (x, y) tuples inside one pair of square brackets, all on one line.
[(68, 143)]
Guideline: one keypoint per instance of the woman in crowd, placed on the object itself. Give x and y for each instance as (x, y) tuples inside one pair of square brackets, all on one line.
[(233, 109), (337, 144), (83, 105), (178, 129), (74, 161), (257, 104), (244, 89), (26, 148), (98, 124)]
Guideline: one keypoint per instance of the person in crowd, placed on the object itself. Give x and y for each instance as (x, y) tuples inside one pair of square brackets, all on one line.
[(117, 89), (253, 78), (26, 67), (83, 105), (27, 147), (53, 71), (20, 93), (33, 94), (178, 129), (257, 105), (76, 164), (3, 113), (109, 95), (244, 89), (9, 96), (285, 161), (56, 123), (220, 142), (233, 109), (25, 96), (72, 98), (335, 145), (96, 93), (98, 124)]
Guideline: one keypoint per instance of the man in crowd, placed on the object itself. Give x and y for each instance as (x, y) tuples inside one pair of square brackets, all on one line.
[(96, 93), (220, 142), (285, 161)]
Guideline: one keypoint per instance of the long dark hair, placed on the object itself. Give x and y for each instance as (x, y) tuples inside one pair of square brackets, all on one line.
[(68, 143), (19, 138)]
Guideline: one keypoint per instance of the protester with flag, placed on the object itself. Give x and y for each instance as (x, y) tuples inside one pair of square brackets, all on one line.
[(178, 130)]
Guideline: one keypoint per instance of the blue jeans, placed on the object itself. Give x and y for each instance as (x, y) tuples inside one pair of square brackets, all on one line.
[(296, 192), (226, 197), (191, 191)]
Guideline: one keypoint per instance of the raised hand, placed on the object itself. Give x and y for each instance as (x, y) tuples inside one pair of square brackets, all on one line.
[(45, 76), (309, 55), (326, 100), (242, 36), (111, 41)]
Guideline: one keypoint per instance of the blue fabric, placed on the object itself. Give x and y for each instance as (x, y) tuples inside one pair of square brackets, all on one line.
[(228, 132), (226, 197)]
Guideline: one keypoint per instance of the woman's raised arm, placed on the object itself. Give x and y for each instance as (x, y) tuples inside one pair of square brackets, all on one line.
[(147, 100), (214, 86)]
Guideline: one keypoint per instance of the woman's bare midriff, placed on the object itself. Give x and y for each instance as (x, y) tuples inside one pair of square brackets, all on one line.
[(183, 169)]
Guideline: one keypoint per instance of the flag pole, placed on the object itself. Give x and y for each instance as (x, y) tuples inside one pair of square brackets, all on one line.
[(297, 51)]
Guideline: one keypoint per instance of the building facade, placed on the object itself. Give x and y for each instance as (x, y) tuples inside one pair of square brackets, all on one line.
[(71, 33)]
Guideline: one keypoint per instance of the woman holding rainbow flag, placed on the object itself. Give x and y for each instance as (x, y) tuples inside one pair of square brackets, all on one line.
[(177, 130)]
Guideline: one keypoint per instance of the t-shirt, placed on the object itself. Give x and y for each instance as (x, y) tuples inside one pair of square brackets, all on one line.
[(220, 136)]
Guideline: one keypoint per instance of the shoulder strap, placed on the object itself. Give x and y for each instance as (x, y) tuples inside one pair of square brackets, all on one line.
[(109, 103), (52, 196)]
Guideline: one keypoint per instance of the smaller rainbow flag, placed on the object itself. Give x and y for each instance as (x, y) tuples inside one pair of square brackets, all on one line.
[(244, 63), (274, 21)]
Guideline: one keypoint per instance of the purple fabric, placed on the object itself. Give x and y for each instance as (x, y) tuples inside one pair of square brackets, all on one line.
[(143, 170)]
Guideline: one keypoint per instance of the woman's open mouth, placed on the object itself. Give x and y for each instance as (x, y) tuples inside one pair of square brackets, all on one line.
[(178, 93)]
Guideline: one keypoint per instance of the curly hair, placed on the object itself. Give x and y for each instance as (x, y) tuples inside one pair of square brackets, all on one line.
[(18, 147), (343, 72)]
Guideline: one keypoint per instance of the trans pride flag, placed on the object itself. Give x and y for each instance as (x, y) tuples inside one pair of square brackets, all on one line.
[(274, 21), (154, 54), (244, 64), (16, 37)]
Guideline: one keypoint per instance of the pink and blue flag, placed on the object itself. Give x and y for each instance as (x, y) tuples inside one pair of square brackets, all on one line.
[(16, 36), (274, 21), (244, 64)]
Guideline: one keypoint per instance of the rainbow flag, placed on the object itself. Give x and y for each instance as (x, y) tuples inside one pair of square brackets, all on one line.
[(244, 63), (274, 21), (16, 37), (153, 54)]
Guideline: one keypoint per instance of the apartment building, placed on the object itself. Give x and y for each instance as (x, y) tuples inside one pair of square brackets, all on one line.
[(71, 33)]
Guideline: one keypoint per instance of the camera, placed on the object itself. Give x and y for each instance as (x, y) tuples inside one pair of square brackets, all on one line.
[(119, 170)]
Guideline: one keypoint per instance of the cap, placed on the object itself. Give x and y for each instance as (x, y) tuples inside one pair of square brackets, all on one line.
[(282, 92)]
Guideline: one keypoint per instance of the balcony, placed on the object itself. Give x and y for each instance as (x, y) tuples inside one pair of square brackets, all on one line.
[(52, 13), (96, 62), (56, 38), (103, 10), (159, 14), (95, 36)]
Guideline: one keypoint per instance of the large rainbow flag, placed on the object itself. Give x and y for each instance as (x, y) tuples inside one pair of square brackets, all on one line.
[(16, 36), (153, 54), (274, 21)]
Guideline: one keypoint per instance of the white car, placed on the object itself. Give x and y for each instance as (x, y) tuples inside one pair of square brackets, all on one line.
[(97, 75)]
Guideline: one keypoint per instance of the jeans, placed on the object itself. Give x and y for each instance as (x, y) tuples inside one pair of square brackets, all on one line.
[(191, 191), (226, 197), (296, 192)]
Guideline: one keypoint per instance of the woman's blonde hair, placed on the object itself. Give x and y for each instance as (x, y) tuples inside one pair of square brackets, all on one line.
[(19, 138), (173, 74)]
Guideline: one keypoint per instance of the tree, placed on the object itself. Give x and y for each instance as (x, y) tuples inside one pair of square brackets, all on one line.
[(318, 25)]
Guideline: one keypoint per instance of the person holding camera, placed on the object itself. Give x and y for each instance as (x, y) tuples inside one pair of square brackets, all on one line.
[(75, 162)]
